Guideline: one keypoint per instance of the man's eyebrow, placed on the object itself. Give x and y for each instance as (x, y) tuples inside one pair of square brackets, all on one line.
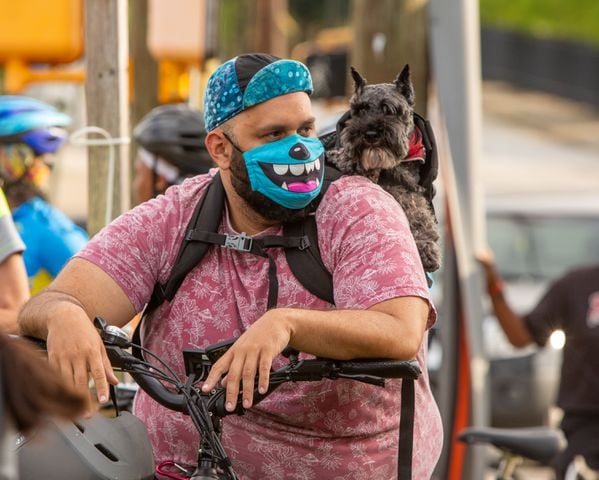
[(281, 126), (310, 121)]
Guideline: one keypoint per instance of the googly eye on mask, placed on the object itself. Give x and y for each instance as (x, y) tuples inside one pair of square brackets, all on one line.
[(289, 171)]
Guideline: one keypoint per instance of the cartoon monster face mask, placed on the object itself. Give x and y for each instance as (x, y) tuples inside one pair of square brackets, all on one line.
[(289, 171)]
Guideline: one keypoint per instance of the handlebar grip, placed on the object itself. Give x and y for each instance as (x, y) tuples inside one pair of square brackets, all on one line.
[(380, 368), (152, 386)]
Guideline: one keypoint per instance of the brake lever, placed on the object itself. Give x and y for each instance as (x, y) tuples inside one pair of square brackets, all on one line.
[(112, 335)]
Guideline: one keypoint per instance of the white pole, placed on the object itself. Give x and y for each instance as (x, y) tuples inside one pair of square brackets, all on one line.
[(455, 56)]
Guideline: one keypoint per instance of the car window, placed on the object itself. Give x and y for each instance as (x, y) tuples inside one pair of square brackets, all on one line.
[(542, 247)]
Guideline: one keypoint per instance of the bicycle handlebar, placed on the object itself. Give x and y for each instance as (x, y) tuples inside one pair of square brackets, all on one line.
[(373, 371), (369, 371)]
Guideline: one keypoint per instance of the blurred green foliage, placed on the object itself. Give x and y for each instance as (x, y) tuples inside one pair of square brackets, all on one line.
[(567, 19)]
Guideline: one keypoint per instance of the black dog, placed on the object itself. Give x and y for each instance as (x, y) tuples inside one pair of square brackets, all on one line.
[(379, 141)]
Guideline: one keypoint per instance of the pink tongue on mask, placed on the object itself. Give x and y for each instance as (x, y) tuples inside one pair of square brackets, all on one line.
[(302, 187)]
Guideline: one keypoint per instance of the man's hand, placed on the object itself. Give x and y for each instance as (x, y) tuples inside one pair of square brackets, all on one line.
[(252, 353), (62, 313), (75, 350)]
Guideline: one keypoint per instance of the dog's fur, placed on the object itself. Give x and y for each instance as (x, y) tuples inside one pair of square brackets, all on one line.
[(373, 143)]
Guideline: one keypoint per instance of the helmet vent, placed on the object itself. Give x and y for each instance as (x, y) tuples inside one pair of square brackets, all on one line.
[(107, 453), (80, 427)]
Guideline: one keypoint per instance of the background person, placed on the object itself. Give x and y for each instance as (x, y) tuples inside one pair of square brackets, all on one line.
[(29, 391), (30, 132), (171, 149), (572, 304), (383, 309), (14, 290)]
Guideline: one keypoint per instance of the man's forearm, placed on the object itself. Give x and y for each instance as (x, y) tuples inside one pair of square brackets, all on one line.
[(346, 334), (41, 309)]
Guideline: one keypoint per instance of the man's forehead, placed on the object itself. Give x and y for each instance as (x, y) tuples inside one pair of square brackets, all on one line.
[(286, 110)]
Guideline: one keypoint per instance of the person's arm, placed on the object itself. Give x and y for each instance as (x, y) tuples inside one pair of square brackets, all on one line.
[(390, 329), (63, 315), (13, 293), (512, 324)]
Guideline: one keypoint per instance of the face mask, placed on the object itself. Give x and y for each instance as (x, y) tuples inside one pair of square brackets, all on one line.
[(289, 171)]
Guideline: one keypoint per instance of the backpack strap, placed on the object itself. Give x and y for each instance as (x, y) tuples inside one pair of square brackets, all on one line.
[(208, 214), (430, 169), (406, 429), (306, 264), (206, 217)]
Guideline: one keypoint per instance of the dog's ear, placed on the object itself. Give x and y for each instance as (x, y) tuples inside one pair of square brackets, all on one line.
[(404, 84), (359, 80)]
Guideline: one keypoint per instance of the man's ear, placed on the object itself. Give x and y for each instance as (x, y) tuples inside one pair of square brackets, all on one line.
[(219, 148)]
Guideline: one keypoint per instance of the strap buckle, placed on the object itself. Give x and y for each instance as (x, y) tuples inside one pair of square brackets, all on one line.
[(240, 242), (304, 242)]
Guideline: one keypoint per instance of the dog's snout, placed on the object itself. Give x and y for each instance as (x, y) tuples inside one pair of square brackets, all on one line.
[(371, 134)]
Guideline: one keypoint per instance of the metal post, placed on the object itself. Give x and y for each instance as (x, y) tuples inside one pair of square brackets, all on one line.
[(455, 54)]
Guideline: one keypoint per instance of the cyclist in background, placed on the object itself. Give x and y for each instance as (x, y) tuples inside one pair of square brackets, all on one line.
[(13, 278), (171, 149), (572, 304), (30, 132)]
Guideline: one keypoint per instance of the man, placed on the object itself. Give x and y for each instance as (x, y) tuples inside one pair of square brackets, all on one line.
[(258, 113), (31, 131), (14, 290), (572, 304), (171, 149)]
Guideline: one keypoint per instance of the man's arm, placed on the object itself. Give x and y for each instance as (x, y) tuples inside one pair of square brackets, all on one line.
[(14, 291), (63, 315), (390, 329), (512, 324)]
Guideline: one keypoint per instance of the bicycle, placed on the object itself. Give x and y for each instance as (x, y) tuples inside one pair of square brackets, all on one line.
[(207, 410), (539, 444)]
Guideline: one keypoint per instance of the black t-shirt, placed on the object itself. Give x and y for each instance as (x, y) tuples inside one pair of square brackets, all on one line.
[(572, 304)]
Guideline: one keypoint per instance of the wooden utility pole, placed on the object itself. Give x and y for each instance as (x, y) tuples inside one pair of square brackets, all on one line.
[(106, 92), (270, 34), (144, 95), (387, 35)]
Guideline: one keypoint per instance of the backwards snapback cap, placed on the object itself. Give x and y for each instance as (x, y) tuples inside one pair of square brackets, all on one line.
[(248, 80)]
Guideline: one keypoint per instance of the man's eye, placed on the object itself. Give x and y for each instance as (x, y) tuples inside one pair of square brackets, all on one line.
[(275, 134), (306, 131)]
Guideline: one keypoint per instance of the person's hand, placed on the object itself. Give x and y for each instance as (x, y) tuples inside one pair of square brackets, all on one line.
[(494, 282), (252, 353), (486, 258), (75, 350)]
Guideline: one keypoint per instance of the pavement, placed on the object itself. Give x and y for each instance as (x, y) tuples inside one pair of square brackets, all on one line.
[(535, 142)]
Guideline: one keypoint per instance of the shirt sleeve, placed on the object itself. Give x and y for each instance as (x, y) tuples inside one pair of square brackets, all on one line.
[(371, 251), (138, 248), (548, 315), (10, 241)]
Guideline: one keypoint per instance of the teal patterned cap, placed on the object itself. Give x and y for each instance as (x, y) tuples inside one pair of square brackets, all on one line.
[(248, 80)]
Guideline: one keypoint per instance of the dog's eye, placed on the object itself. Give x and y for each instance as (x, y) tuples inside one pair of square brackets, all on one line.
[(388, 109), (360, 110)]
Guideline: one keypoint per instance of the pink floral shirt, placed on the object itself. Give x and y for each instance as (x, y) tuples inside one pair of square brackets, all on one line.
[(309, 430)]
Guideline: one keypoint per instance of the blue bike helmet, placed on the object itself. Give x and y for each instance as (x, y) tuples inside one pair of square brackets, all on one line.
[(32, 122)]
